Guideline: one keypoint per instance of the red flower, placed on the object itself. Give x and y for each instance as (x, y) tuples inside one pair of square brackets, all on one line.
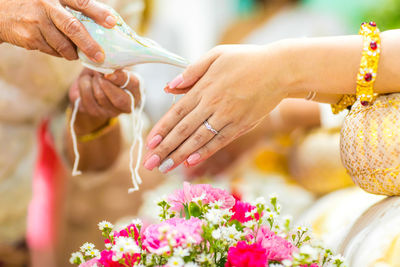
[(240, 210), (245, 255)]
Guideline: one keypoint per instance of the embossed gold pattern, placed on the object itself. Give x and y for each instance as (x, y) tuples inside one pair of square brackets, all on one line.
[(370, 145)]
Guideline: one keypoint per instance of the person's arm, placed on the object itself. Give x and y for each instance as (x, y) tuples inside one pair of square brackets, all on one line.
[(233, 88), (329, 65), (102, 99), (45, 25)]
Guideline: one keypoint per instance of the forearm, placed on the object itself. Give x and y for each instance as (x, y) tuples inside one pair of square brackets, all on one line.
[(330, 65), (98, 154)]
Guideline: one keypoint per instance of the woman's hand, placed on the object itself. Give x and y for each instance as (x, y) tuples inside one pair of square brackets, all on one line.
[(102, 96), (47, 26), (232, 88)]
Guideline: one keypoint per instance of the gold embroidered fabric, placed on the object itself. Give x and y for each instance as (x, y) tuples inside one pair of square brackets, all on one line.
[(370, 145)]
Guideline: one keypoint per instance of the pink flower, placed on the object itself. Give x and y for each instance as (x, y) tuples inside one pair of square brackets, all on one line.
[(245, 255), (277, 248), (240, 210), (204, 191), (126, 232), (182, 231), (106, 259)]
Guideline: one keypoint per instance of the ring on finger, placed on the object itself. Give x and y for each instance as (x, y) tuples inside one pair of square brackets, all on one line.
[(209, 127), (128, 79)]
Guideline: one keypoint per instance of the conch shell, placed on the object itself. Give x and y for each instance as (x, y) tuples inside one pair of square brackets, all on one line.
[(123, 47)]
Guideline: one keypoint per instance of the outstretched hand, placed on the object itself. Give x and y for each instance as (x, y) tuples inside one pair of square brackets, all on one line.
[(232, 88), (45, 25)]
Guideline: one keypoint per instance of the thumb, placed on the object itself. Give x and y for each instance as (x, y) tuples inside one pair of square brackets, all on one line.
[(183, 82)]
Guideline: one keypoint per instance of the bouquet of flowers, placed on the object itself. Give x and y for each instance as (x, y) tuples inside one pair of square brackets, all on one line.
[(205, 226)]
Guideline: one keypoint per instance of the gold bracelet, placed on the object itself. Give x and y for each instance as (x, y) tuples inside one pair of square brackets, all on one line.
[(368, 69), (96, 133)]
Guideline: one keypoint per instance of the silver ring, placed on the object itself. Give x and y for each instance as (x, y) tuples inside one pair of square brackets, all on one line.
[(127, 80), (210, 128)]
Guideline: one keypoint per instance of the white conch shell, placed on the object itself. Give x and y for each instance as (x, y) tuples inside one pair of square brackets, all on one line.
[(123, 47)]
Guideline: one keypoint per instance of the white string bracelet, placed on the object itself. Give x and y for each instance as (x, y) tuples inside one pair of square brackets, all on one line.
[(137, 129), (75, 171)]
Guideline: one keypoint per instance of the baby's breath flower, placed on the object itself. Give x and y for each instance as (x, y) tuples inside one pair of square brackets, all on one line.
[(216, 234), (250, 213), (175, 262), (87, 246), (92, 253), (181, 252), (198, 199), (216, 204), (250, 224), (105, 225), (309, 251), (76, 258), (191, 264), (137, 222)]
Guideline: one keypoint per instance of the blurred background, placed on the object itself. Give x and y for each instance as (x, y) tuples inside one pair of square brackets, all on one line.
[(294, 153)]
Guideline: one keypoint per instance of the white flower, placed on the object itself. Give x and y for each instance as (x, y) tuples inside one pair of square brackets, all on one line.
[(181, 252), (92, 253), (310, 251), (125, 245), (200, 198), (108, 245), (216, 204), (250, 224), (250, 213), (259, 201), (275, 265), (287, 263), (216, 234), (230, 234), (87, 246), (204, 258), (162, 250), (105, 225), (137, 222), (214, 216), (76, 258), (191, 264), (175, 261)]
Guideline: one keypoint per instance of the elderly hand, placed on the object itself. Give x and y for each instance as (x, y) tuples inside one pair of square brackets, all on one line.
[(232, 88), (102, 96), (47, 26)]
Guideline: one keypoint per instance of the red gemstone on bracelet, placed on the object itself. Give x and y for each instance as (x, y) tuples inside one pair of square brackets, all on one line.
[(364, 103), (373, 45), (372, 23), (368, 77)]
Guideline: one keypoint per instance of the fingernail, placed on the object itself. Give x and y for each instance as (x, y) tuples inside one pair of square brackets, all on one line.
[(154, 141), (176, 82), (193, 159), (99, 57), (152, 162), (166, 165), (111, 76), (111, 21)]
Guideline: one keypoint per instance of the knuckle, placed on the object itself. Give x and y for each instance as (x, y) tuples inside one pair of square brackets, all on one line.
[(182, 129), (178, 110), (72, 26), (221, 138), (63, 48), (198, 139), (83, 4)]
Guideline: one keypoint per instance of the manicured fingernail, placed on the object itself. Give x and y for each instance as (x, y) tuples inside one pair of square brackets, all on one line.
[(166, 165), (154, 141), (111, 21), (193, 159), (152, 162), (176, 82), (99, 57)]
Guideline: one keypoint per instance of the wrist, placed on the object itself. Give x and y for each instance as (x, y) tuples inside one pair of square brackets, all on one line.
[(291, 74), (86, 124)]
